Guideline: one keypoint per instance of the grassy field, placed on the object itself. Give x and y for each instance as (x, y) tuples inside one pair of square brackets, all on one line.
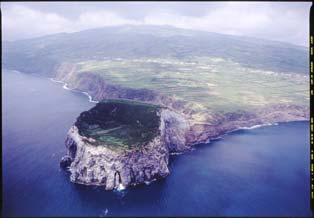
[(120, 123), (209, 83)]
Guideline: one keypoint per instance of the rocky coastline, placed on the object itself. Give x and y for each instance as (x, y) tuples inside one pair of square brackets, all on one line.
[(102, 165)]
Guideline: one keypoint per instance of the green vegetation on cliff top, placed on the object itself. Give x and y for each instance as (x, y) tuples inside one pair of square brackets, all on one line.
[(120, 123)]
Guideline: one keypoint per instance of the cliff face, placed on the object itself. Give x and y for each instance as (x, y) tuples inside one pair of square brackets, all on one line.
[(99, 89), (100, 165), (125, 156)]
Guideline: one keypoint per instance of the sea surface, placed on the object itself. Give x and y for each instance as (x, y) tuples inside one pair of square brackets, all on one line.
[(257, 172)]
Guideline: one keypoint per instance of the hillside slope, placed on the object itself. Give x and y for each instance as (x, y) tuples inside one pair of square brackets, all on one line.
[(43, 54)]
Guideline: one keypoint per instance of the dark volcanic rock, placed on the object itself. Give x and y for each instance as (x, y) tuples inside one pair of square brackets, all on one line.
[(65, 162)]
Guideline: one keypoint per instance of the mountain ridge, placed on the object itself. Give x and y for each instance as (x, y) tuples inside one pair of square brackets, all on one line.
[(160, 26), (129, 41)]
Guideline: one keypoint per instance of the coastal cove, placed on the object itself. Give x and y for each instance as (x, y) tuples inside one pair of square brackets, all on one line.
[(262, 171)]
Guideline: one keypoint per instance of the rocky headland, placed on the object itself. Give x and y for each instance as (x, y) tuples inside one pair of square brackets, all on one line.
[(126, 139), (119, 143)]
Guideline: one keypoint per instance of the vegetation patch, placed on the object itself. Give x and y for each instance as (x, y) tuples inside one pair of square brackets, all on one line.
[(122, 123)]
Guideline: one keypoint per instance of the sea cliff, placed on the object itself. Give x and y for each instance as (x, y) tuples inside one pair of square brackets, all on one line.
[(117, 143), (120, 143)]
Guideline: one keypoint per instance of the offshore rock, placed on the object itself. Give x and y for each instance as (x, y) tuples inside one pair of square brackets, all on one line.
[(65, 162)]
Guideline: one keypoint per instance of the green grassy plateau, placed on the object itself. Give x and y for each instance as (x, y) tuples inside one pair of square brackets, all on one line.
[(121, 123)]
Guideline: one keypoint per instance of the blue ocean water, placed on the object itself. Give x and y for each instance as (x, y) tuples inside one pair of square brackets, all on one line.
[(258, 172)]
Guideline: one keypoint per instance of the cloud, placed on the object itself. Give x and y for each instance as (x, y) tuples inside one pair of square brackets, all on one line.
[(22, 22), (250, 19), (276, 21), (222, 21), (99, 19)]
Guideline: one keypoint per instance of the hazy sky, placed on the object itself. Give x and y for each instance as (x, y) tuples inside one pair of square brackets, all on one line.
[(281, 21)]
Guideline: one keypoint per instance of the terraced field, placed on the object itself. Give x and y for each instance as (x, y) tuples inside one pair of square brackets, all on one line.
[(211, 84)]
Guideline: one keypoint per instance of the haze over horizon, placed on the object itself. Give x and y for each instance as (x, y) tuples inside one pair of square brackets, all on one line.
[(277, 21)]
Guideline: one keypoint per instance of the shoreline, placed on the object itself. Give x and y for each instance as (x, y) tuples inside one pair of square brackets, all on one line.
[(65, 86), (251, 128), (209, 140), (90, 99)]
